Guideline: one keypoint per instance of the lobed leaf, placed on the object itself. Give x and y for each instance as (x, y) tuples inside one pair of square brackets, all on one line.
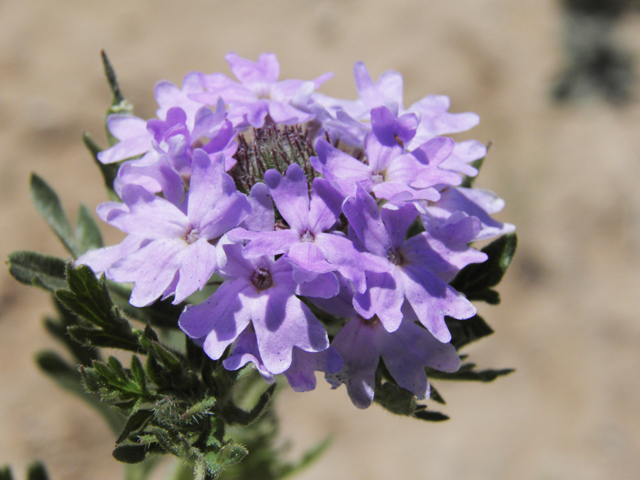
[(135, 422), (464, 332), (39, 270), (109, 171), (87, 233), (430, 416), (73, 381), (48, 205), (476, 280), (467, 372)]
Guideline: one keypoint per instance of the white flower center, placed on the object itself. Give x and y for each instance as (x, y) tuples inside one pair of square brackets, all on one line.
[(307, 237), (377, 177), (192, 235)]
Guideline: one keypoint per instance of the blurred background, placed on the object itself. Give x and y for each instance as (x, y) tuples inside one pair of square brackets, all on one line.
[(554, 84)]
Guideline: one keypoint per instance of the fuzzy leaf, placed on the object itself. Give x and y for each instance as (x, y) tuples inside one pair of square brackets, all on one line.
[(110, 73), (476, 280), (467, 331), (89, 298), (161, 313), (71, 380), (430, 416), (97, 338), (130, 453), (109, 171), (227, 456), (135, 422), (395, 399), (49, 207), (33, 268), (467, 372), (88, 234), (244, 418), (435, 396), (137, 371), (83, 354), (309, 457), (467, 182)]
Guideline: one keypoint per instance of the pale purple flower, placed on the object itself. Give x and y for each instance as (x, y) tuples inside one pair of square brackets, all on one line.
[(308, 244), (176, 254), (134, 138), (362, 343), (405, 352), (169, 96), (174, 141), (349, 120), (258, 94), (303, 364), (419, 267), (260, 292), (474, 202), (389, 172)]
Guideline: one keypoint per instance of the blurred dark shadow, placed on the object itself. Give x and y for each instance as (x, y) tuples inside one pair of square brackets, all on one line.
[(595, 62)]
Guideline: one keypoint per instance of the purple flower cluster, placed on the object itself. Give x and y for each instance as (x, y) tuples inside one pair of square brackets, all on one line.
[(294, 203)]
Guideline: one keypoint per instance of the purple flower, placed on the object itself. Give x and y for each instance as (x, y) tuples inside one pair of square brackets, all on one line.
[(389, 173), (176, 254), (174, 141), (262, 292), (307, 244), (419, 267), (405, 352), (348, 120), (134, 138), (259, 93), (169, 96), (473, 202), (303, 364)]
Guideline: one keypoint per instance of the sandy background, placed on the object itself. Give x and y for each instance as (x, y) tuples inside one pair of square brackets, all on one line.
[(569, 320)]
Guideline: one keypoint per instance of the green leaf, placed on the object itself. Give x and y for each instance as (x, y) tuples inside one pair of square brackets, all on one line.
[(228, 456), (130, 453), (89, 298), (236, 415), (36, 471), (39, 270), (161, 313), (58, 329), (430, 416), (137, 371), (464, 332), (467, 182), (111, 78), (70, 379), (97, 338), (309, 457), (88, 234), (476, 280), (135, 422), (109, 171), (467, 372), (49, 207), (435, 396), (395, 399), (5, 473)]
